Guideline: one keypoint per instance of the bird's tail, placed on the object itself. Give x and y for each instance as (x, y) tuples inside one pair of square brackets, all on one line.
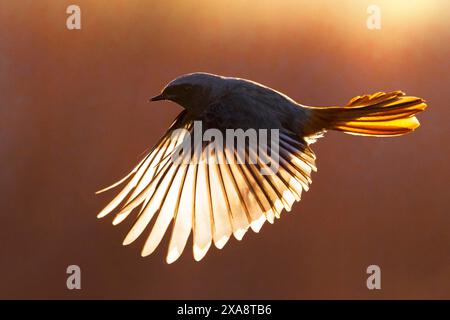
[(379, 114)]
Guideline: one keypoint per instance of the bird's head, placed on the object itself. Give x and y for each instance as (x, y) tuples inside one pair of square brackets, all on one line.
[(192, 90)]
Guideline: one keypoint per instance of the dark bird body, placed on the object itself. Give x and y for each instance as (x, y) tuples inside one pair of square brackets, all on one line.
[(215, 200)]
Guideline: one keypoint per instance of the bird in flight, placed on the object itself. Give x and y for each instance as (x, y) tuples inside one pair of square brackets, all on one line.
[(222, 198)]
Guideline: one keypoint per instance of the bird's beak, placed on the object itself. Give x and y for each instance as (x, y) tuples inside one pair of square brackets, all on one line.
[(158, 97)]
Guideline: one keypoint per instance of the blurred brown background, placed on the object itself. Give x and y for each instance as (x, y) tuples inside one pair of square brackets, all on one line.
[(74, 117)]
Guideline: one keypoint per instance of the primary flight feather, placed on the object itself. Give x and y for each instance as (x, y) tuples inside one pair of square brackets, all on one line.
[(216, 192)]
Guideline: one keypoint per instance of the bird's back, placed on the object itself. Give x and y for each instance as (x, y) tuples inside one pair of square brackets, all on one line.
[(248, 104)]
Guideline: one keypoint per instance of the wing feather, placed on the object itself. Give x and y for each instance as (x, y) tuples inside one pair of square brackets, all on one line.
[(167, 212), (183, 219), (238, 215), (202, 214), (246, 195), (254, 185), (220, 207)]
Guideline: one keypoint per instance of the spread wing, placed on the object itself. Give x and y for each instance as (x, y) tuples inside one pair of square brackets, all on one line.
[(213, 192)]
